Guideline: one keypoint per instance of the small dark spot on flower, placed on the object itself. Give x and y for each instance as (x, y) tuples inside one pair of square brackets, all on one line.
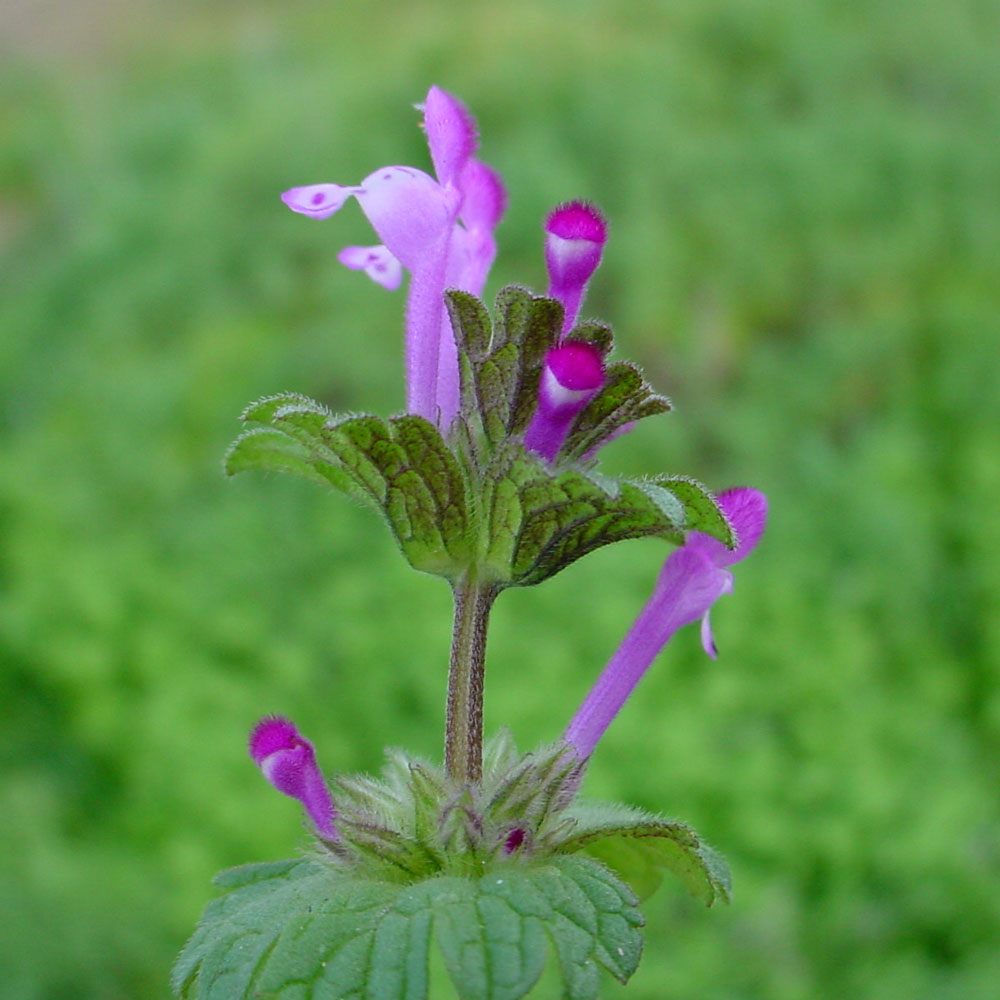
[(514, 840), (318, 198)]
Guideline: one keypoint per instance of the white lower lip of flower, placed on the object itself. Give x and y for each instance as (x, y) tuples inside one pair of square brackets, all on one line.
[(566, 251), (557, 395), (270, 763)]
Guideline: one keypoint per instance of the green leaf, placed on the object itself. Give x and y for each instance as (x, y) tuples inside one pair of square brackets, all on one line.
[(291, 925), (494, 942), (532, 324), (499, 754), (625, 397), (401, 467), (701, 510), (640, 847), (297, 929), (599, 334), (542, 519), (500, 367), (270, 451)]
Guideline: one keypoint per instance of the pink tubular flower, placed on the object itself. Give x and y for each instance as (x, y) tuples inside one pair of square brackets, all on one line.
[(572, 375), (440, 230), (693, 578), (575, 234), (288, 761)]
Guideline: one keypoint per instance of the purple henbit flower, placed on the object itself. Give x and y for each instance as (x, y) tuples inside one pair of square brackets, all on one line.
[(441, 231), (288, 761), (575, 234), (572, 375), (693, 578)]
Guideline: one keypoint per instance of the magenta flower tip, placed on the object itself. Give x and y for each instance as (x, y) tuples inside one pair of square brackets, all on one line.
[(575, 234), (576, 366), (514, 840), (272, 733), (573, 372), (577, 220), (746, 509), (288, 762)]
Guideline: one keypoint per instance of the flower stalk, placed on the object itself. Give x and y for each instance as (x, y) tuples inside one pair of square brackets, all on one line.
[(463, 747)]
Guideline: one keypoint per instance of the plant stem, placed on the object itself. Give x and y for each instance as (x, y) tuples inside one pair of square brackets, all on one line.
[(463, 741)]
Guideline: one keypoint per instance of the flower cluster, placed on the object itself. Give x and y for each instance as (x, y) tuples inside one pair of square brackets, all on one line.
[(440, 230)]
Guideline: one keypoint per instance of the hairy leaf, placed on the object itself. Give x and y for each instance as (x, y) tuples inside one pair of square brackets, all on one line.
[(701, 511), (501, 366), (640, 847), (401, 467), (624, 398), (298, 929), (542, 520), (599, 334)]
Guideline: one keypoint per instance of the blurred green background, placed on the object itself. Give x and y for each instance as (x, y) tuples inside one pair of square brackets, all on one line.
[(805, 255)]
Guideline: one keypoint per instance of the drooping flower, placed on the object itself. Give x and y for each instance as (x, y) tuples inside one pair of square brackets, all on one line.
[(575, 234), (572, 374), (288, 762), (440, 230), (693, 578)]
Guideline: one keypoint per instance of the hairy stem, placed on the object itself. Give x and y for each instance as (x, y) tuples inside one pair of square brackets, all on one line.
[(463, 746)]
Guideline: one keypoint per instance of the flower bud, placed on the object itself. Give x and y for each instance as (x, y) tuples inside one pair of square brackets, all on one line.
[(288, 762), (573, 373), (575, 234)]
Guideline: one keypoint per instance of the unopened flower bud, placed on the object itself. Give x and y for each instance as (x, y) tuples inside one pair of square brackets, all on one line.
[(575, 234), (288, 761), (572, 375)]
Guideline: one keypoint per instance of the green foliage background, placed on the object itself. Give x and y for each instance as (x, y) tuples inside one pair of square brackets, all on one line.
[(805, 255)]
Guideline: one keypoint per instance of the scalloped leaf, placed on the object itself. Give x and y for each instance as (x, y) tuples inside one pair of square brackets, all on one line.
[(701, 510), (501, 364), (592, 332), (268, 450), (541, 520), (401, 467), (298, 929), (640, 847)]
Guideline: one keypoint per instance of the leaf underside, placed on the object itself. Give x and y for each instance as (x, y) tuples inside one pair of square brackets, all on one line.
[(401, 467), (641, 847), (298, 930)]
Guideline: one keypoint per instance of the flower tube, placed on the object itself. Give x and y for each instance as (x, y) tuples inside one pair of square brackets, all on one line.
[(693, 578)]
